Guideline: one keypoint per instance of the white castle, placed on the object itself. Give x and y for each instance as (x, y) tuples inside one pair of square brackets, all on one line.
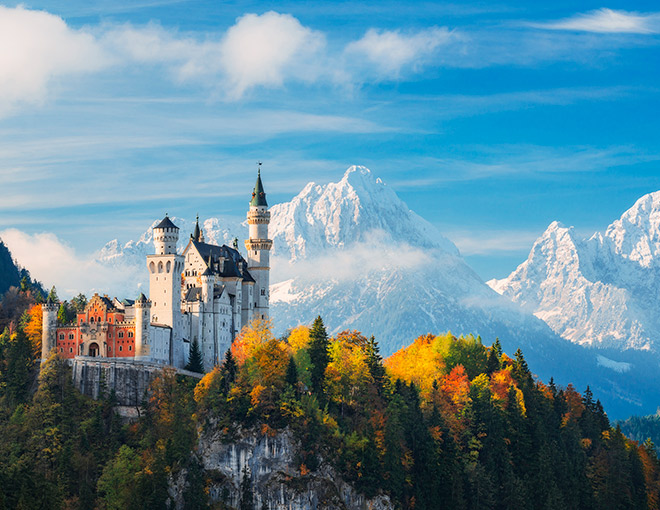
[(206, 294)]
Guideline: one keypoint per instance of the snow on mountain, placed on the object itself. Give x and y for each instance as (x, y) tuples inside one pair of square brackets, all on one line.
[(602, 291), (353, 252)]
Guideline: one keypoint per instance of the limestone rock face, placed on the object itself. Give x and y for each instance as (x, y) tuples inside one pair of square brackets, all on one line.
[(275, 479)]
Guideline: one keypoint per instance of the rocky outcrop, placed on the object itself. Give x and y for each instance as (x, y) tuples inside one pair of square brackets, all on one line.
[(274, 478)]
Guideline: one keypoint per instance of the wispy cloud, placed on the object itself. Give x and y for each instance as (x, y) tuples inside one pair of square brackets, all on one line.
[(492, 241), (520, 161), (390, 51), (607, 21)]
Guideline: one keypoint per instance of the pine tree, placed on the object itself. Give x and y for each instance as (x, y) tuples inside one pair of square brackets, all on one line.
[(375, 363), (19, 364), (61, 314), (495, 353), (291, 376), (52, 295), (230, 367), (195, 359), (318, 353)]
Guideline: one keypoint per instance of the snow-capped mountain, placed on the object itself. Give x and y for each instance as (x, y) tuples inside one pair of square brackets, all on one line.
[(602, 291), (354, 253)]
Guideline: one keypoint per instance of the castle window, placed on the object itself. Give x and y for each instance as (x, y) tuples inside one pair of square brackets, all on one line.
[(91, 319), (71, 336), (81, 321), (130, 334), (121, 334), (263, 292), (61, 349), (120, 349), (110, 335), (70, 349), (130, 347), (61, 336)]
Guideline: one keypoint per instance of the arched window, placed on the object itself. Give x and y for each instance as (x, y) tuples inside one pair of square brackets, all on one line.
[(120, 349), (71, 337), (70, 349), (121, 334), (160, 267), (152, 267), (130, 347), (130, 334), (168, 267), (61, 336)]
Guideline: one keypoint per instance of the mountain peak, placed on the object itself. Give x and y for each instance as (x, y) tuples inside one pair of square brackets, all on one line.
[(358, 175)]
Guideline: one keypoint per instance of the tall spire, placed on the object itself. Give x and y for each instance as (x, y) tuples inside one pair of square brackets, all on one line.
[(258, 194), (197, 235)]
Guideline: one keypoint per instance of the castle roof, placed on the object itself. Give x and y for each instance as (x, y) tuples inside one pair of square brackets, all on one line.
[(234, 264), (166, 223), (259, 195)]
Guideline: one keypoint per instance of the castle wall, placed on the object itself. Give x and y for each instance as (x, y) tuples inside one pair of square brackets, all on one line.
[(128, 378)]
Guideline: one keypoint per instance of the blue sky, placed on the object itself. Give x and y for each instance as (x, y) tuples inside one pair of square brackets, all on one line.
[(490, 120)]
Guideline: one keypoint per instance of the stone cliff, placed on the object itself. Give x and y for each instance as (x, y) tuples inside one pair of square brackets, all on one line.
[(275, 480)]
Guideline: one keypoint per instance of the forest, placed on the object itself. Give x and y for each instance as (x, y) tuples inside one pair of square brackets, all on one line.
[(446, 422)]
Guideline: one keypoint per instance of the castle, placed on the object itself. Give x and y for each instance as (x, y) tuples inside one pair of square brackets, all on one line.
[(206, 294)]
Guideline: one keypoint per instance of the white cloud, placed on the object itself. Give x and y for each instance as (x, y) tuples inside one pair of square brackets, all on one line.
[(53, 262), (258, 50), (392, 51), (263, 50), (37, 47), (607, 21), (489, 242)]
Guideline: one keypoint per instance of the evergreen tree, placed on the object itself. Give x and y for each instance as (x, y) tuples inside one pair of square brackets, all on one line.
[(230, 367), (375, 363), (62, 314), (19, 365), (52, 295), (318, 353), (195, 358), (291, 376), (495, 353)]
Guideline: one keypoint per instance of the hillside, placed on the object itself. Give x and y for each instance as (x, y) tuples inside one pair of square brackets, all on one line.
[(9, 274), (312, 422)]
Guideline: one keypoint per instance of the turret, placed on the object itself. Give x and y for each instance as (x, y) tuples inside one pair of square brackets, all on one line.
[(166, 234), (165, 269), (49, 328), (258, 248), (142, 315), (198, 234)]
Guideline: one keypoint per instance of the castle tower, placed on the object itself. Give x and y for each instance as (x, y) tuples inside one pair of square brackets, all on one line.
[(258, 248), (165, 269), (208, 343), (142, 320), (49, 329)]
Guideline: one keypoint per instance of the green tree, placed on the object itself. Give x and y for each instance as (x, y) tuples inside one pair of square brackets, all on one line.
[(318, 353), (118, 480), (19, 366), (52, 295), (247, 497), (195, 358)]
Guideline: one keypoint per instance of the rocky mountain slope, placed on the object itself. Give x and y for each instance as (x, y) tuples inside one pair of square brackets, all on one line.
[(602, 291)]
